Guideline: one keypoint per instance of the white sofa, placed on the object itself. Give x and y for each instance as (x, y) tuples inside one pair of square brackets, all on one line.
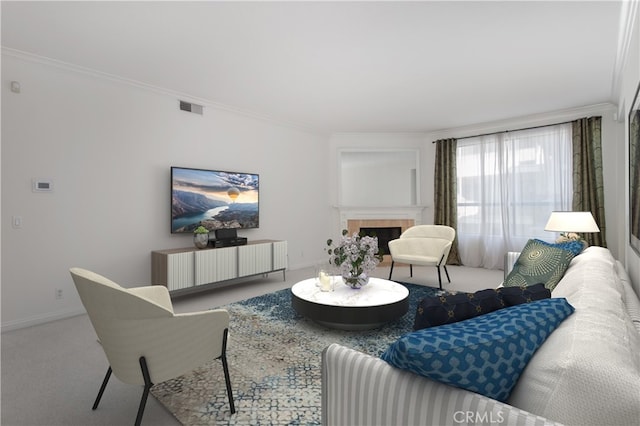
[(586, 373)]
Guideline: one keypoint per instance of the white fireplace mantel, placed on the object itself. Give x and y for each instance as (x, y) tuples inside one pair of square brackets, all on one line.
[(382, 212)]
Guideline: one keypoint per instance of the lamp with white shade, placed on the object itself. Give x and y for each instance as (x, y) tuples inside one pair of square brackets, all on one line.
[(570, 223)]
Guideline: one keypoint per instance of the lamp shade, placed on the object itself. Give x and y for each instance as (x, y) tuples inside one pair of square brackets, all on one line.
[(571, 222)]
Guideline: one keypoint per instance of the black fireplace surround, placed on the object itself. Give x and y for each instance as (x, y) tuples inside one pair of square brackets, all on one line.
[(384, 234)]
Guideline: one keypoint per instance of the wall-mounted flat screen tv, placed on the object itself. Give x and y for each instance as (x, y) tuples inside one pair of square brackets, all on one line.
[(214, 199)]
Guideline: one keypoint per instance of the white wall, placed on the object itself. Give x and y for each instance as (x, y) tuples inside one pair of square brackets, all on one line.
[(382, 141), (378, 177), (108, 147)]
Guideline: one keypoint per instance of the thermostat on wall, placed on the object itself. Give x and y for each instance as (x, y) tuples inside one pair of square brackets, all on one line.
[(42, 185)]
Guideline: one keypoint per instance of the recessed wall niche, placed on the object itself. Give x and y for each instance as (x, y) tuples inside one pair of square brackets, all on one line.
[(379, 177)]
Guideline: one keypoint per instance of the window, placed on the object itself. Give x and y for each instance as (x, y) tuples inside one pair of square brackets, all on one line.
[(508, 183)]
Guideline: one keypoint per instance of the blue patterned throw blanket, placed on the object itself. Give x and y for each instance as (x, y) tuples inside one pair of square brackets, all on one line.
[(274, 362)]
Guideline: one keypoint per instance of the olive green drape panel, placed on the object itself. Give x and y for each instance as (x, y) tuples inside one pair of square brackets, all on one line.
[(588, 189), (445, 192)]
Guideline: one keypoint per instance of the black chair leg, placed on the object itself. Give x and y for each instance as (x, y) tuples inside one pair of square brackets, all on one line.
[(104, 385), (145, 392), (447, 272), (439, 277), (148, 384), (391, 270), (411, 270), (225, 367)]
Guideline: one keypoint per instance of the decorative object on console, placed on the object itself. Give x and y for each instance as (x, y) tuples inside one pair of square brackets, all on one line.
[(356, 256), (569, 224), (201, 237), (449, 308), (539, 263), (485, 354)]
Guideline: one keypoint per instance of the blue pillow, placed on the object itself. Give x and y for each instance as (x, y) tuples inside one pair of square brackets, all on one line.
[(539, 263), (485, 354), (448, 308), (574, 246), (512, 296)]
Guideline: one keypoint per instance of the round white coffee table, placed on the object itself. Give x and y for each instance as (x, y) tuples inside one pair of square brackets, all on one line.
[(375, 304)]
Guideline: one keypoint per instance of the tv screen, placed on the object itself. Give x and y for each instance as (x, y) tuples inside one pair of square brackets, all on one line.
[(214, 199)]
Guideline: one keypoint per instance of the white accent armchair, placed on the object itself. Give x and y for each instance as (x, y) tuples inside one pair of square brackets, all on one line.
[(144, 341), (423, 245)]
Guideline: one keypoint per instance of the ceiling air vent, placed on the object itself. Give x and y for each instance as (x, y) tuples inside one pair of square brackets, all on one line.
[(189, 107)]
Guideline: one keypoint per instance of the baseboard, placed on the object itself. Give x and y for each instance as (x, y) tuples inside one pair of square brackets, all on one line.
[(24, 323)]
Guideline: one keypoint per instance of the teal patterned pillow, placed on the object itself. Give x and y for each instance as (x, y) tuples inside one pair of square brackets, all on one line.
[(485, 354), (576, 247), (539, 263)]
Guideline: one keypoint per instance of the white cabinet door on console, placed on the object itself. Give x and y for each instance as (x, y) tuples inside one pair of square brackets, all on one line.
[(216, 265), (280, 255), (180, 271), (254, 259)]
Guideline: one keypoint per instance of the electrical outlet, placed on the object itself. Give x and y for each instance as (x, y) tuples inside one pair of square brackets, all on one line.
[(16, 222), (58, 293)]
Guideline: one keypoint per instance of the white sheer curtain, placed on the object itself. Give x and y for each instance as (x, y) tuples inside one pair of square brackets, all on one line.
[(508, 183)]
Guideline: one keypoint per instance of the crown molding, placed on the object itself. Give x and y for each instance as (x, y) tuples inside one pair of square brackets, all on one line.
[(511, 124), (30, 57), (628, 12)]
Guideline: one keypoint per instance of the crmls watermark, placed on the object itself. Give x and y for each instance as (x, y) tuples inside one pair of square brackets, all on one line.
[(472, 417)]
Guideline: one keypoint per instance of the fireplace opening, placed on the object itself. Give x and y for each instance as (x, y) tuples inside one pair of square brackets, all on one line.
[(384, 234)]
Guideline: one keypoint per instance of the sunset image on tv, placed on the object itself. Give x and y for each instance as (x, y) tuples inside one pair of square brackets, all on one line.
[(213, 199)]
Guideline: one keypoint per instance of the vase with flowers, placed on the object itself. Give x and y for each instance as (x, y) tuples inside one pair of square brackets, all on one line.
[(356, 256)]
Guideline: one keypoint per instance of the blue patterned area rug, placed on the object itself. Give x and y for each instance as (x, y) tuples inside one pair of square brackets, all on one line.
[(274, 361)]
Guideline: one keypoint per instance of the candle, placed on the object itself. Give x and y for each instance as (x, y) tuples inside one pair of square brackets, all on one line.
[(325, 281)]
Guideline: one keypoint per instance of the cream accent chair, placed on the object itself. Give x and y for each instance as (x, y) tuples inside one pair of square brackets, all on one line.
[(423, 245), (144, 341)]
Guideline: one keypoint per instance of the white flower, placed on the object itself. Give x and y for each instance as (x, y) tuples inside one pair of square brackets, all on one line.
[(355, 255)]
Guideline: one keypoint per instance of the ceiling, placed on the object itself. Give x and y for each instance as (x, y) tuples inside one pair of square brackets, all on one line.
[(342, 66)]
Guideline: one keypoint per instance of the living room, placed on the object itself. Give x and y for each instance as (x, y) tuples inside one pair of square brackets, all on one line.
[(106, 139)]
